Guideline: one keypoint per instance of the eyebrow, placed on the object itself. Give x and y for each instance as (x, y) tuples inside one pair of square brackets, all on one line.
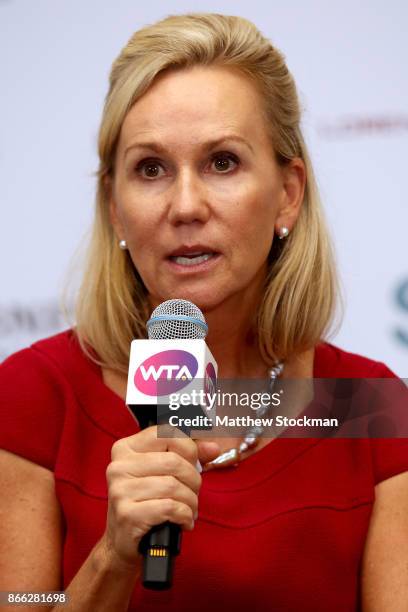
[(158, 148)]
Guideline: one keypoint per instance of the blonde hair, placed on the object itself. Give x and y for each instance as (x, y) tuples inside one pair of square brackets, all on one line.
[(300, 294)]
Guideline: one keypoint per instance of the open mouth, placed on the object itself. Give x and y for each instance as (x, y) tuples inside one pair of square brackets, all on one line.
[(191, 259)]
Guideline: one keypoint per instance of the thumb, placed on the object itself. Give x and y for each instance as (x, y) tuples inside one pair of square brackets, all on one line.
[(207, 451)]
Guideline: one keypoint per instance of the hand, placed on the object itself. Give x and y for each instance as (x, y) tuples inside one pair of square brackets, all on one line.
[(151, 480)]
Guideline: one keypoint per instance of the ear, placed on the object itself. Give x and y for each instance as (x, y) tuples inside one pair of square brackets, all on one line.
[(293, 185), (113, 212)]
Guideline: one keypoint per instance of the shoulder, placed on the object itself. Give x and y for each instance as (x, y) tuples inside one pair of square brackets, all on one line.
[(388, 452), (32, 364), (54, 358), (34, 389), (334, 362), (46, 360), (59, 348)]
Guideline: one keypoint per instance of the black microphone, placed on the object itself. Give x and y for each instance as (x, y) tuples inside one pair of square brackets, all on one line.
[(177, 320)]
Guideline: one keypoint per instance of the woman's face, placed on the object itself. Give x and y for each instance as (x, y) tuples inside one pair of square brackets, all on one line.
[(197, 194)]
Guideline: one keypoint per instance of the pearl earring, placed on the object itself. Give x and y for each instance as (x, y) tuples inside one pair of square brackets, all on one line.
[(283, 232), (122, 245)]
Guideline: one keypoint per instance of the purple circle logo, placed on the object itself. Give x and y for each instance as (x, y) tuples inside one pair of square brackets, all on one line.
[(165, 372)]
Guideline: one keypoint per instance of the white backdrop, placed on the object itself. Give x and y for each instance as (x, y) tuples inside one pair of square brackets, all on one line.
[(349, 61)]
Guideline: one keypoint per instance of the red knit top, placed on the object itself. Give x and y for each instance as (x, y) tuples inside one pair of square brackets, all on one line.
[(283, 531)]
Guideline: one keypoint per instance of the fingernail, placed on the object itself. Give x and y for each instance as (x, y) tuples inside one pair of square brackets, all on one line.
[(198, 466), (196, 515)]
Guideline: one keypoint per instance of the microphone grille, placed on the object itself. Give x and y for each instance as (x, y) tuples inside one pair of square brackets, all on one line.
[(177, 319)]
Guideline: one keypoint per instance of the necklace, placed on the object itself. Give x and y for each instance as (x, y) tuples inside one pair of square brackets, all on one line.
[(232, 456)]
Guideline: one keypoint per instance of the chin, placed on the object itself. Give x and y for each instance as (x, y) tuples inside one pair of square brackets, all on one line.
[(206, 299)]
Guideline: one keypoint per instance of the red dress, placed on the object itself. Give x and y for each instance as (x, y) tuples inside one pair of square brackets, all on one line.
[(284, 531)]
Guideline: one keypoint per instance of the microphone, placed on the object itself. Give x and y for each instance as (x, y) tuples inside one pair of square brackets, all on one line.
[(174, 357)]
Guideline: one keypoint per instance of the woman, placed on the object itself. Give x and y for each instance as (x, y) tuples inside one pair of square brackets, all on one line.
[(205, 192)]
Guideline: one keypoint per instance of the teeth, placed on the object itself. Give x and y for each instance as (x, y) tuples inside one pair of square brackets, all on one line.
[(192, 261)]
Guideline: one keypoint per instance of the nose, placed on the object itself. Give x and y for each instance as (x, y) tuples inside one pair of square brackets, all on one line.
[(188, 200)]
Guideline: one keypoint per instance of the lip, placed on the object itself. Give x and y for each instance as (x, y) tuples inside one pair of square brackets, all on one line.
[(193, 249), (204, 266)]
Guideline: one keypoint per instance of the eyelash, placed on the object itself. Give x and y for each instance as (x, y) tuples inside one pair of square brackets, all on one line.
[(152, 161)]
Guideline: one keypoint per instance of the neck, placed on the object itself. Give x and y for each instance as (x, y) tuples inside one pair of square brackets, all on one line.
[(233, 341)]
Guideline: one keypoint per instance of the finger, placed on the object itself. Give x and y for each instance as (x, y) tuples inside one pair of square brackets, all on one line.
[(149, 440), (155, 464), (207, 451), (155, 487), (146, 514)]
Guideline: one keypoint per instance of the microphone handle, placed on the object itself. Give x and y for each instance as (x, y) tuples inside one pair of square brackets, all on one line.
[(162, 542), (158, 547)]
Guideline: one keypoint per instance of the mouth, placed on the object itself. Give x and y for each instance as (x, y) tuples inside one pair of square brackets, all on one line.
[(191, 260), (192, 256)]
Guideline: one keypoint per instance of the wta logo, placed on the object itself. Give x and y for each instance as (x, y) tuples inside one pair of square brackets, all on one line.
[(165, 372)]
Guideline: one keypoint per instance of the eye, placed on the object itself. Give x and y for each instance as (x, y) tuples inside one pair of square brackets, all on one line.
[(224, 163), (149, 169)]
